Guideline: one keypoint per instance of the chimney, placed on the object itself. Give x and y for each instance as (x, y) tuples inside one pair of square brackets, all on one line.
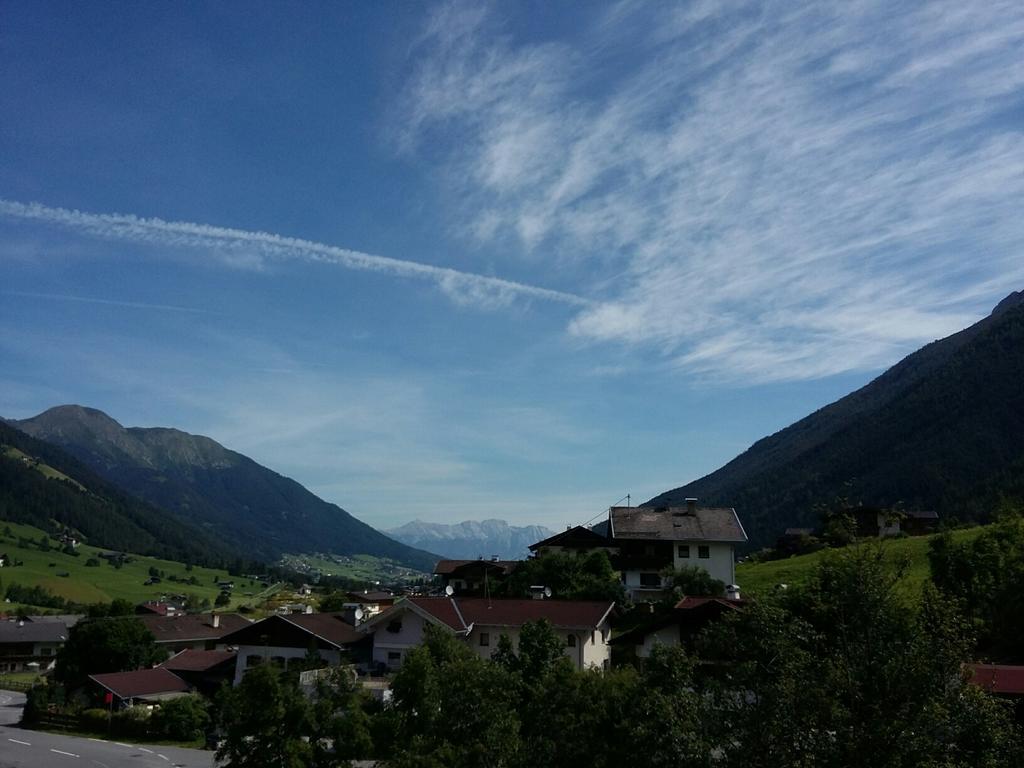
[(732, 592), (691, 506), (216, 620), (494, 558)]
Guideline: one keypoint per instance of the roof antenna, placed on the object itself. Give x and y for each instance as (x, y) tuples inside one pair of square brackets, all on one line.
[(628, 497)]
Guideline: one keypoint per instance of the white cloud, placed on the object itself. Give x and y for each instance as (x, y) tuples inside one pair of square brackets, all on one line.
[(249, 249), (759, 192)]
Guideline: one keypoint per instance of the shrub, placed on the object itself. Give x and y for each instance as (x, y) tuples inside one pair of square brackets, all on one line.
[(181, 719)]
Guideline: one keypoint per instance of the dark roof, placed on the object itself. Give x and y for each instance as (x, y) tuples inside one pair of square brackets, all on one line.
[(33, 632), (191, 660), (447, 567), (198, 626), (460, 613), (690, 611), (143, 682), (690, 603), (371, 596), (331, 627), (998, 678), (573, 537), (676, 524), (295, 631)]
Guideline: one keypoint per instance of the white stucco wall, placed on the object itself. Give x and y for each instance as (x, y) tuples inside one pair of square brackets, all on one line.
[(267, 653), (666, 636), (721, 563), (385, 642)]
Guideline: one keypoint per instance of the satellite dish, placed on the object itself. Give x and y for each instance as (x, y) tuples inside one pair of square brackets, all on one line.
[(449, 590), (358, 614), (547, 591)]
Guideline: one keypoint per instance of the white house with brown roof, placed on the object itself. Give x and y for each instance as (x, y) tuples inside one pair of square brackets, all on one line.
[(650, 539), (480, 622)]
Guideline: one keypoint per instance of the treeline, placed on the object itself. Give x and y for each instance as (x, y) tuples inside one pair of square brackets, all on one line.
[(103, 514), (842, 673)]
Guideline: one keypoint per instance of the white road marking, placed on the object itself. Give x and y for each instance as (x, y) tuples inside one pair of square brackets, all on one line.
[(123, 745), (102, 741), (162, 757), (102, 765), (143, 749), (61, 752), (20, 742)]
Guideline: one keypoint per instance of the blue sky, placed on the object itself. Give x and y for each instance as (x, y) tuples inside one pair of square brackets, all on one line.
[(457, 261)]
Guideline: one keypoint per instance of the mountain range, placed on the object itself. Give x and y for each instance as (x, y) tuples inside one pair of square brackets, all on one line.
[(943, 430), (226, 495), (471, 538)]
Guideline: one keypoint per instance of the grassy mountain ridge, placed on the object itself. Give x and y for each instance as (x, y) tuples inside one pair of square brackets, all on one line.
[(35, 494), (939, 430), (226, 493)]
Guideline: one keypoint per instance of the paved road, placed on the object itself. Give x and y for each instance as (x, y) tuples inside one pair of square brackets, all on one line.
[(38, 749)]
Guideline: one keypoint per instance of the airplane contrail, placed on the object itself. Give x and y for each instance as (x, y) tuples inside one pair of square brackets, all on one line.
[(461, 286)]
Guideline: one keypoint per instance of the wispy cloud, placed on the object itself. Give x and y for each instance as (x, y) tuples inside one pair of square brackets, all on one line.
[(766, 191), (106, 302), (247, 247)]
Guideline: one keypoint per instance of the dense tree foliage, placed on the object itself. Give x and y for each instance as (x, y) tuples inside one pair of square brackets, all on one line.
[(693, 581), (985, 576), (588, 576), (96, 646)]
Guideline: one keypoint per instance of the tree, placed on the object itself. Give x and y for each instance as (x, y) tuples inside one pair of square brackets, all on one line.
[(588, 576), (182, 719), (693, 581), (265, 720), (105, 645)]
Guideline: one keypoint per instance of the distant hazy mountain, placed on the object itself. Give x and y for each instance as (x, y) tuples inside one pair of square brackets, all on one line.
[(943, 429), (472, 538), (227, 494)]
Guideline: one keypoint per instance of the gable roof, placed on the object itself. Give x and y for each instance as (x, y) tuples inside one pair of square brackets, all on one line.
[(142, 682), (33, 632), (192, 627), (191, 660), (693, 603), (577, 536), (461, 614), (676, 524), (448, 567), (998, 678), (330, 629), (690, 611)]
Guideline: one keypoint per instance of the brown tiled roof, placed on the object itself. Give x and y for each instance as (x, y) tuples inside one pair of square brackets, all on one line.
[(447, 567), (198, 626), (689, 603), (143, 682), (32, 632), (327, 626), (370, 596), (998, 678), (677, 524), (460, 613), (191, 660)]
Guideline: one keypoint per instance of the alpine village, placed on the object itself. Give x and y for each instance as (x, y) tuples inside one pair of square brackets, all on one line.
[(846, 592)]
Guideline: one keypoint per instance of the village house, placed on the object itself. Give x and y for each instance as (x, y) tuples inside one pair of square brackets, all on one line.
[(205, 671), (288, 642), (575, 540), (676, 627), (30, 645), (652, 539), (874, 522), (143, 686), (199, 631), (479, 622), (470, 577)]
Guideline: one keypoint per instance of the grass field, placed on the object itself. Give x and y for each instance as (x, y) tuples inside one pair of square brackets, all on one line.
[(44, 469), (757, 578), (365, 568), (104, 583)]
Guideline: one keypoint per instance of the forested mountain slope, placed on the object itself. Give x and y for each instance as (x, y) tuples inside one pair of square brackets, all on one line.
[(943, 429), (227, 494)]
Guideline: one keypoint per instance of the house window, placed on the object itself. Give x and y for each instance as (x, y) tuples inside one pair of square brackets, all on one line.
[(253, 660), (485, 639), (684, 550), (571, 641), (279, 661), (394, 657), (703, 551), (648, 550), (394, 626), (46, 651), (650, 580)]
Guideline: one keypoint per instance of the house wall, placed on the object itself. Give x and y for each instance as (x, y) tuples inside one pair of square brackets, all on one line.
[(386, 644), (591, 648), (721, 563), (666, 636), (267, 654)]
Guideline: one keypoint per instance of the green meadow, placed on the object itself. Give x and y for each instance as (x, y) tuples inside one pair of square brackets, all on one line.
[(103, 583), (758, 578)]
